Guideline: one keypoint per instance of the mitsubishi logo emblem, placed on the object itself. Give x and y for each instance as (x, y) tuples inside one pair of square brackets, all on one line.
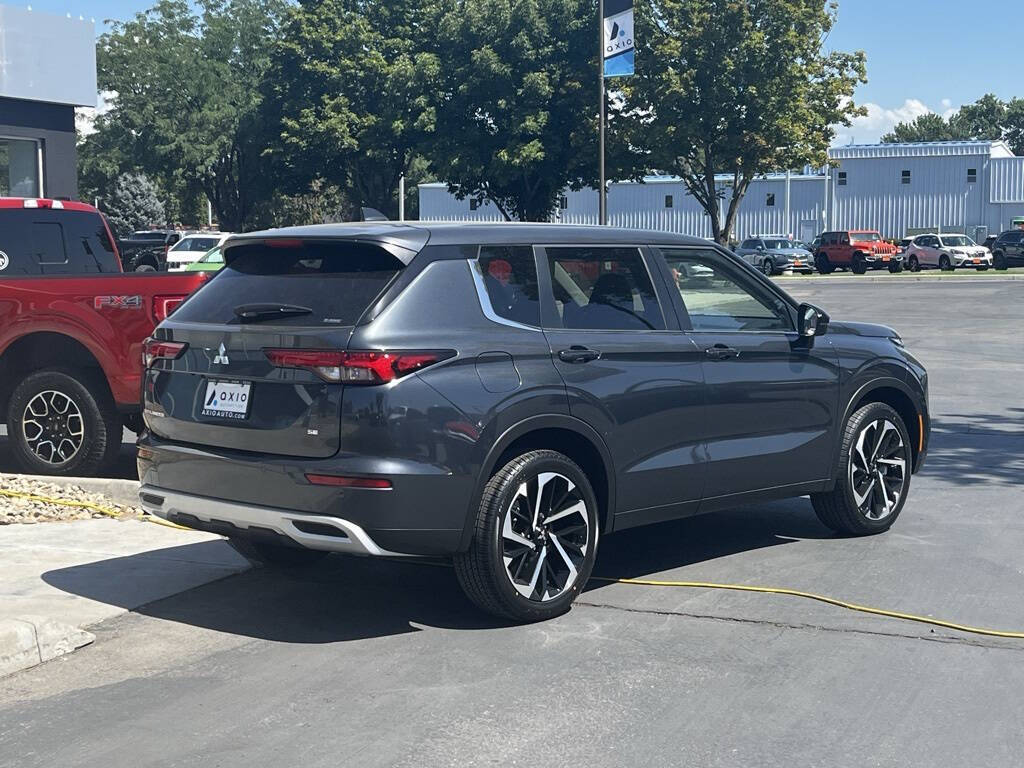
[(222, 357)]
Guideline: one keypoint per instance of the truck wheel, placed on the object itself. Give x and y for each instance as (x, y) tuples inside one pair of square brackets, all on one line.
[(874, 474), (859, 265), (535, 539), (896, 267), (999, 262), (822, 264), (63, 422)]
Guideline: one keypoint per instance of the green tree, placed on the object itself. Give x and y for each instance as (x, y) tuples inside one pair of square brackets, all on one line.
[(927, 127), (981, 120), (1014, 125), (348, 93), (739, 87), (517, 111), (134, 203), (188, 94)]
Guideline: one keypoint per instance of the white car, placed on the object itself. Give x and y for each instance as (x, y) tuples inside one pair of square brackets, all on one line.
[(192, 247), (947, 252)]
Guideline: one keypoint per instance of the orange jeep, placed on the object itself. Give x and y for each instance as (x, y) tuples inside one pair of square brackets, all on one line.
[(858, 250)]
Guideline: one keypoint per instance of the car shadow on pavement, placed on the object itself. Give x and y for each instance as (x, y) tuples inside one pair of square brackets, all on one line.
[(352, 598), (976, 449)]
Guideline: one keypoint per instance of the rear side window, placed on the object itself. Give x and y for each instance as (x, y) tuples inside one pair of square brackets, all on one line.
[(510, 277), (603, 289), (55, 242), (336, 280)]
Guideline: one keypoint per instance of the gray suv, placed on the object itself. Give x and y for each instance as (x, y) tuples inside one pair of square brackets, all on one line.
[(507, 395), (776, 253)]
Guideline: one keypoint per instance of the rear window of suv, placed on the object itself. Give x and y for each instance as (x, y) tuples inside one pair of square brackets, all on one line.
[(337, 280)]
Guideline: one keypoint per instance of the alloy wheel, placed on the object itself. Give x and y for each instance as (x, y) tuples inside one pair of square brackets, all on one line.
[(545, 536), (878, 469), (53, 426), (768, 267)]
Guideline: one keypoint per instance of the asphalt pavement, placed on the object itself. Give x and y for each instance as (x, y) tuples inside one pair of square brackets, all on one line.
[(370, 663)]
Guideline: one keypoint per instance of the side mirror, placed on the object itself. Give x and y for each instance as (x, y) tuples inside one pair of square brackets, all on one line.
[(813, 321)]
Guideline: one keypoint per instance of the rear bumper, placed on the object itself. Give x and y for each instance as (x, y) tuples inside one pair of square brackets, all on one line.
[(423, 513), (322, 532)]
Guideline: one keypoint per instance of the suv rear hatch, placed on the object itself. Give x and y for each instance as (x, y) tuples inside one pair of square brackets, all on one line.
[(253, 361)]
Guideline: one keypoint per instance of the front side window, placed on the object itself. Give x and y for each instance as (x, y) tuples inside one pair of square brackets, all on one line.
[(718, 299), (510, 278), (603, 289)]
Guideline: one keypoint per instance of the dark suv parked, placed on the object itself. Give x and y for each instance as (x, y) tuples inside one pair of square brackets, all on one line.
[(505, 395), (1008, 249)]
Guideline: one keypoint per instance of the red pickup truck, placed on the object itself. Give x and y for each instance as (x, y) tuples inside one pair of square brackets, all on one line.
[(72, 328)]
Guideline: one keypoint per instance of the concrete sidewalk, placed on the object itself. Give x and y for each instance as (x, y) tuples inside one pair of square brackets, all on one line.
[(58, 578)]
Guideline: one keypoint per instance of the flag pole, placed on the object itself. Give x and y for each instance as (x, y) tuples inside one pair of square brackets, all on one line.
[(602, 204)]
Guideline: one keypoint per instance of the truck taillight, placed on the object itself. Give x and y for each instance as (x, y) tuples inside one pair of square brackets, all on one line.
[(356, 367), (164, 305), (154, 350)]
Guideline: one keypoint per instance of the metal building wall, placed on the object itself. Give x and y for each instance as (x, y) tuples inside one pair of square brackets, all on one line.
[(642, 206), (939, 195)]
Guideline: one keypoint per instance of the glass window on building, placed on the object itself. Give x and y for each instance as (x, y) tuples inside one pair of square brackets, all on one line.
[(19, 168)]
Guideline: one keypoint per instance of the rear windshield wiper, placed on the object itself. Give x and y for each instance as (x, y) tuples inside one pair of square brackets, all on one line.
[(251, 313)]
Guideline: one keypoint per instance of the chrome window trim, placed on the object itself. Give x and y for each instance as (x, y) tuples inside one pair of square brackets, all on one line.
[(485, 300)]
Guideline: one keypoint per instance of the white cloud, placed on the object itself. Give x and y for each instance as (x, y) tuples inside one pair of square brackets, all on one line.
[(880, 120)]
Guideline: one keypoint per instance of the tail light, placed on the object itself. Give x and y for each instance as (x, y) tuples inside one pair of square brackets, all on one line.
[(164, 305), (154, 350), (362, 367)]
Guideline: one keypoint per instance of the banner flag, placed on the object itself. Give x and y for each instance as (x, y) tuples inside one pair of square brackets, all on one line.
[(618, 38)]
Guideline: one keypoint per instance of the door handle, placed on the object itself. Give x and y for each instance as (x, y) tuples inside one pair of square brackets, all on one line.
[(578, 354), (721, 352)]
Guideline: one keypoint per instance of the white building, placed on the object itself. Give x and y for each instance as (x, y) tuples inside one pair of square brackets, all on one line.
[(975, 187)]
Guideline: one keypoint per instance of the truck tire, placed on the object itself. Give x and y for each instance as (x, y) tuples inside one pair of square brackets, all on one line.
[(535, 539), (999, 261), (859, 265), (822, 264), (63, 422)]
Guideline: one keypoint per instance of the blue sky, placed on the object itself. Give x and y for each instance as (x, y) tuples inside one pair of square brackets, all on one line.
[(923, 55)]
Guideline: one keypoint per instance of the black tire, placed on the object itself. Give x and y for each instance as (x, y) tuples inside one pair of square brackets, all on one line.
[(999, 262), (859, 265), (280, 556), (838, 509), (896, 267), (481, 570), (54, 415), (144, 268), (983, 267), (913, 264), (822, 264), (945, 264), (768, 267)]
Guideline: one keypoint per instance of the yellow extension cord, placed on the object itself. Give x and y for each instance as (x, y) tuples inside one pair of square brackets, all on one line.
[(638, 582), (85, 505)]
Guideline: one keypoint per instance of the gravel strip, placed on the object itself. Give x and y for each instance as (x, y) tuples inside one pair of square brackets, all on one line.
[(26, 511)]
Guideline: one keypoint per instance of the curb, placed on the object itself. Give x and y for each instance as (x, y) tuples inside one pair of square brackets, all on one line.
[(30, 640), (123, 492)]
